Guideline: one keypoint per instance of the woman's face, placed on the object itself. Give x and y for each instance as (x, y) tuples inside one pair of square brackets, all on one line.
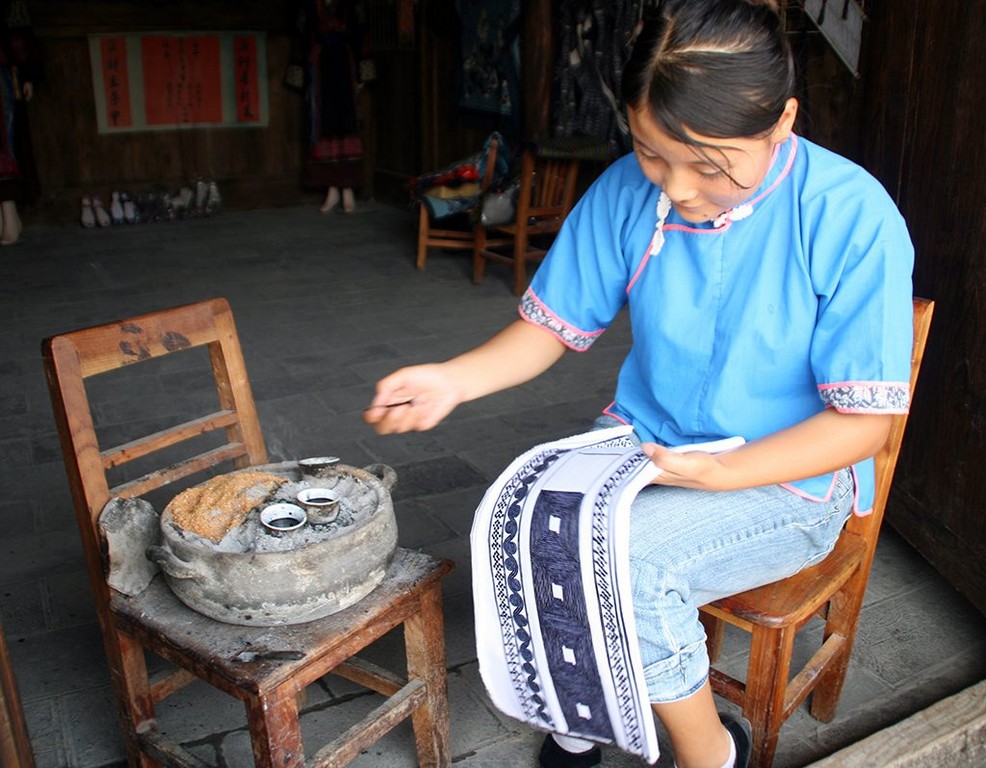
[(702, 182)]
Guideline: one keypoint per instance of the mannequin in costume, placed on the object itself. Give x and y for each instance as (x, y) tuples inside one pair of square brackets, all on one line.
[(331, 47), (19, 70)]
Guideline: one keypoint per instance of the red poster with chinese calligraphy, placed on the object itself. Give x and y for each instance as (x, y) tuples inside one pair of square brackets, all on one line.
[(179, 80), (116, 81), (245, 79), (181, 83)]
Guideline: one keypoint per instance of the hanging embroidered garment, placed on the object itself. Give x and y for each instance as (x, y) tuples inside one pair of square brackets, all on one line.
[(555, 632)]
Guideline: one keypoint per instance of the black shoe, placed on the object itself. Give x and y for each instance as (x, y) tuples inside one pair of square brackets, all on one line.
[(553, 756), (742, 735)]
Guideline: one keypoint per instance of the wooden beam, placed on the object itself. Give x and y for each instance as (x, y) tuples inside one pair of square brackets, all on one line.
[(536, 68)]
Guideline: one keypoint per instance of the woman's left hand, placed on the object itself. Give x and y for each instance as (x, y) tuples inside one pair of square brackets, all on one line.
[(693, 469)]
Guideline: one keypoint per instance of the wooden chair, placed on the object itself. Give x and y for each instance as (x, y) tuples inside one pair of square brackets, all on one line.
[(832, 589), (431, 236), (15, 746), (197, 646), (545, 196)]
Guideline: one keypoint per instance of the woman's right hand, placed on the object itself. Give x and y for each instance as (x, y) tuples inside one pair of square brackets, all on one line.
[(418, 397), (413, 399)]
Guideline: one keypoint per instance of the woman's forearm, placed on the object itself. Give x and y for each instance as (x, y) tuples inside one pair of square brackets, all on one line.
[(518, 353), (823, 443)]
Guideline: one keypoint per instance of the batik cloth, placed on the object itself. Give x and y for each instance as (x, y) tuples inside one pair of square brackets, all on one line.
[(555, 633)]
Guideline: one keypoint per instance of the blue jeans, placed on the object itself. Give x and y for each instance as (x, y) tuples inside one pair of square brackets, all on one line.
[(689, 547)]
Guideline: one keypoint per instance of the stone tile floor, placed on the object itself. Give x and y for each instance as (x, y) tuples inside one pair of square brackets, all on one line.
[(325, 305)]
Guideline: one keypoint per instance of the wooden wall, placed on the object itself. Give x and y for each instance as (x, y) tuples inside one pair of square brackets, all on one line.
[(922, 134), (445, 133), (412, 123), (74, 159)]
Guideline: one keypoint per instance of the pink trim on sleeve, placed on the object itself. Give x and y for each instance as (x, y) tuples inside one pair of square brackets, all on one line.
[(876, 397), (534, 311)]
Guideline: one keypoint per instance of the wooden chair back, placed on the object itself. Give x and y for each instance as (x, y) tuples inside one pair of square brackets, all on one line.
[(885, 461), (832, 590), (71, 359), (432, 236), (547, 191)]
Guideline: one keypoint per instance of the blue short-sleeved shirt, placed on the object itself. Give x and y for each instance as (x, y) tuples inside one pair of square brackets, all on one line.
[(798, 300)]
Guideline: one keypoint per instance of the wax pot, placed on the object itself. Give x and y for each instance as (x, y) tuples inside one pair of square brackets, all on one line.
[(259, 576)]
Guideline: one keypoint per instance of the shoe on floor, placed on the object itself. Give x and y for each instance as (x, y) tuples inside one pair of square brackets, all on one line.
[(102, 217), (88, 216), (553, 756), (742, 735)]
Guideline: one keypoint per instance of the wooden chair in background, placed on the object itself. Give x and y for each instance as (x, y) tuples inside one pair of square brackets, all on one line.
[(545, 195), (197, 646), (431, 235), (832, 590)]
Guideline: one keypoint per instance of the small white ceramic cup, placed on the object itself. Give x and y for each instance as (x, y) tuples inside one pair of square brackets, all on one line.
[(322, 504), (317, 467), (281, 518)]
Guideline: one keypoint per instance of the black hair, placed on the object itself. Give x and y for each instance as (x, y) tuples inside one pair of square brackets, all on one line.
[(718, 68)]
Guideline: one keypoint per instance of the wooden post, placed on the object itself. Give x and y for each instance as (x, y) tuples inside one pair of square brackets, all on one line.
[(428, 77), (536, 68)]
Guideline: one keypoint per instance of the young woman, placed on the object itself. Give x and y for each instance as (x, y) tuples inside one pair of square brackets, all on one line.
[(768, 283)]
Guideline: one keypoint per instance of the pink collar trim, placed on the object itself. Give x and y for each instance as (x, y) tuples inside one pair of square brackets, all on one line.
[(744, 209), (721, 222)]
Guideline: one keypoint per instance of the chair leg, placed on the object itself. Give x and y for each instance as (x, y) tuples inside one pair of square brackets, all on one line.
[(135, 706), (714, 630), (424, 639), (766, 684), (275, 732), (520, 262), (842, 619), (422, 236), (478, 260)]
